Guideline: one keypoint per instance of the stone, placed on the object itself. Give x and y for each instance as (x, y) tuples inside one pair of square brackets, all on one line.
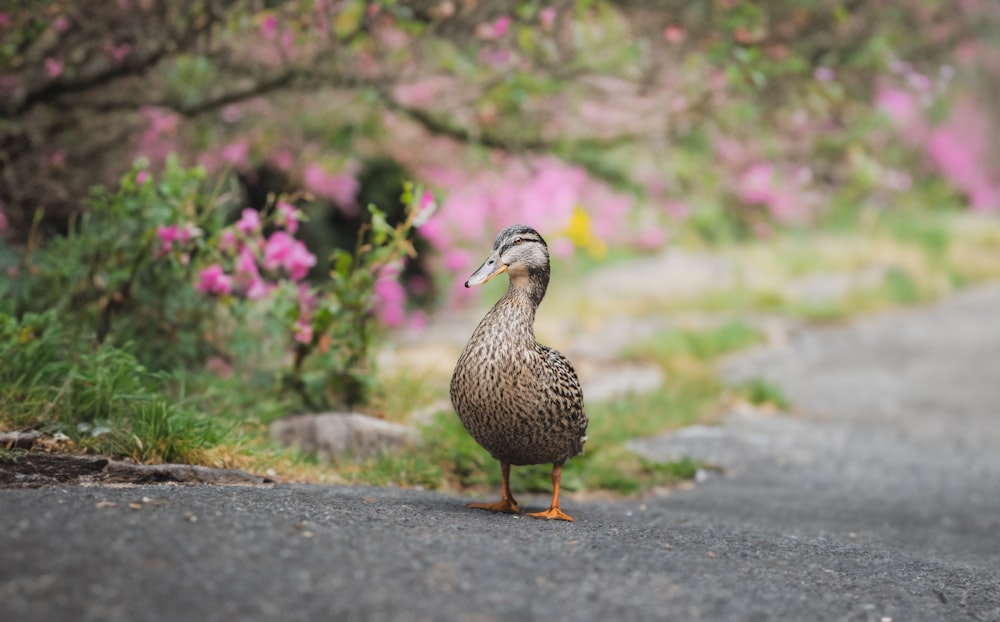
[(342, 436)]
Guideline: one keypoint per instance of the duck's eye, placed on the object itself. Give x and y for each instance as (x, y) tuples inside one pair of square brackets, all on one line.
[(518, 240)]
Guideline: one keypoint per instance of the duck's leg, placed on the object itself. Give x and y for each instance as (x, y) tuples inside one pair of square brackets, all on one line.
[(506, 503), (554, 512)]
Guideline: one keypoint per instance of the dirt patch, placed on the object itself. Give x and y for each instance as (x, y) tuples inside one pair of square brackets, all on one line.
[(38, 470)]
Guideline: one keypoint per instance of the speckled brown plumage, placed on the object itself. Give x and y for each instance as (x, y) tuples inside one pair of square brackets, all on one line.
[(519, 399)]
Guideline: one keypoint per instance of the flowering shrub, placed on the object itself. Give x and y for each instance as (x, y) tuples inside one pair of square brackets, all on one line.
[(604, 124), (153, 264)]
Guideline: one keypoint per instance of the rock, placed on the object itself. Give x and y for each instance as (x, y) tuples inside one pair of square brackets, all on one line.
[(342, 436), (605, 382)]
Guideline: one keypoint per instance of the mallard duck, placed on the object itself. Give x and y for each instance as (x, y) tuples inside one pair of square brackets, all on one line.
[(519, 399)]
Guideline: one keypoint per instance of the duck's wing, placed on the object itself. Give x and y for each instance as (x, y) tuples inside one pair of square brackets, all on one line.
[(562, 388)]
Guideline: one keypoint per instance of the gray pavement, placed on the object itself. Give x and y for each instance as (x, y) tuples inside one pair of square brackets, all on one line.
[(879, 499)]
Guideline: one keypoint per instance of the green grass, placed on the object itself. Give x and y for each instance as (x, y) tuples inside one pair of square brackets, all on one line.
[(101, 397), (106, 402), (763, 393)]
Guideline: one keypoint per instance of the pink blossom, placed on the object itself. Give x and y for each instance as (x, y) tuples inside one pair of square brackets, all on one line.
[(269, 27), (651, 238), (141, 177), (214, 280), (170, 234), (237, 153), (674, 34), (167, 235), (434, 232), (547, 17), (283, 159), (340, 188), (117, 52), (418, 320), (501, 25), (284, 251), (303, 331), (258, 289), (308, 298), (60, 23), (425, 210), (231, 113), (53, 67), (227, 241), (456, 259), (246, 264), (158, 139), (756, 184), (918, 81), (4, 19), (249, 222), (677, 210), (824, 74), (390, 299), (899, 105), (288, 216)]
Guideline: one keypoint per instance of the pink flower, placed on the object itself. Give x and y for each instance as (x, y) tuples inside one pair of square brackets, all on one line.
[(258, 289), (249, 222), (547, 17), (60, 23), (227, 241), (390, 300), (425, 210), (303, 331), (231, 113), (824, 74), (117, 52), (288, 217), (214, 280), (167, 235), (501, 26), (141, 178), (757, 184), (175, 233), (678, 210), (340, 188), (269, 27), (283, 159), (418, 320), (284, 251), (53, 67), (674, 34), (237, 153), (4, 19), (246, 263), (897, 104), (456, 259)]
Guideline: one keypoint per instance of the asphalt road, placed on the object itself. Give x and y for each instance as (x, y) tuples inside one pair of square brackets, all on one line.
[(878, 500)]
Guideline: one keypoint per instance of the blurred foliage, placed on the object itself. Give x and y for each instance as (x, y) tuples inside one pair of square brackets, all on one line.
[(667, 98)]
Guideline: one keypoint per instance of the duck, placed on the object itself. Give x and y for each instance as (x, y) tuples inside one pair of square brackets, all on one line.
[(520, 400)]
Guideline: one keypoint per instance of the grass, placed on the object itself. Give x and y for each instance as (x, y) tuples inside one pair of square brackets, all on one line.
[(106, 402), (100, 397)]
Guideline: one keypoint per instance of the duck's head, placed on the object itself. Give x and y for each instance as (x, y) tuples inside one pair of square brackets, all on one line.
[(519, 251)]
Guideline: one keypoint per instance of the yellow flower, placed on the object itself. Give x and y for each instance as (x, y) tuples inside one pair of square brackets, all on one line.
[(581, 234)]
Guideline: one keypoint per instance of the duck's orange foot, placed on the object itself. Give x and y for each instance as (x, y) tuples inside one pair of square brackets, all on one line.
[(508, 506), (552, 514)]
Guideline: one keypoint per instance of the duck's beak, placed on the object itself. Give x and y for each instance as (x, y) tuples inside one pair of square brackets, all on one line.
[(490, 268)]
